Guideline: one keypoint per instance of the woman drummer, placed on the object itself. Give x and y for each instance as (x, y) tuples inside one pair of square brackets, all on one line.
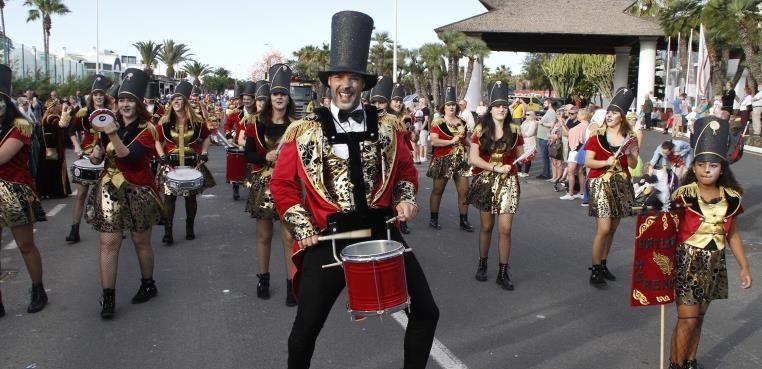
[(495, 145), (97, 100), (611, 193), (261, 149), (126, 197), (20, 206), (182, 119), (449, 160)]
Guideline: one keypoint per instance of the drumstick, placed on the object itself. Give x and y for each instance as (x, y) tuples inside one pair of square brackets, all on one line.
[(361, 233)]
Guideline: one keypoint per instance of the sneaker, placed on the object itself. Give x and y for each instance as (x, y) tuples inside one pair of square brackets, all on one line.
[(567, 197), (551, 180), (523, 175), (579, 196), (584, 204), (541, 176)]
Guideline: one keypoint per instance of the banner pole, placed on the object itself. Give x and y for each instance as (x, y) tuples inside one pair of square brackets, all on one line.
[(661, 340)]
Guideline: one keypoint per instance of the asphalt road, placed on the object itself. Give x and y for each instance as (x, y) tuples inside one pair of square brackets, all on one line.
[(207, 314)]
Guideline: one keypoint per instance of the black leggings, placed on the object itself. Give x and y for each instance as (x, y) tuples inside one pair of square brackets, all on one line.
[(319, 290)]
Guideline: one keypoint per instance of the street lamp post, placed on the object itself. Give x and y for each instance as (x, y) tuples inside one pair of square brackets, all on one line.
[(97, 36), (394, 68)]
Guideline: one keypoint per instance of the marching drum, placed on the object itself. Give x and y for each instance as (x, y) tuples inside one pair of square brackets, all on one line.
[(85, 171), (174, 159), (184, 178), (375, 275), (236, 165)]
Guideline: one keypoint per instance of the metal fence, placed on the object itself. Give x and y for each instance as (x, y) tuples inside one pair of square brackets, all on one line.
[(26, 61)]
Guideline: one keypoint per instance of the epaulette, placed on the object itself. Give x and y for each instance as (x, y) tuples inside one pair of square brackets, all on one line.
[(391, 120), (438, 121), (297, 128), (81, 113), (151, 128), (478, 129), (163, 119), (600, 131), (515, 128), (732, 192), (690, 190), (23, 126)]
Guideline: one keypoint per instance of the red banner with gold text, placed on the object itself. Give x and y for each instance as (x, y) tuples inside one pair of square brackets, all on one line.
[(654, 261)]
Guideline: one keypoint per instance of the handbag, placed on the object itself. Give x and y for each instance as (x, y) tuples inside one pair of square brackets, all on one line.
[(51, 153), (556, 149)]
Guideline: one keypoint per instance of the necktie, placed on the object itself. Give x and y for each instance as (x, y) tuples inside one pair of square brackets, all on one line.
[(356, 115)]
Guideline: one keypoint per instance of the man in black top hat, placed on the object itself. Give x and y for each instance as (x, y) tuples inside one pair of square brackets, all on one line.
[(357, 174)]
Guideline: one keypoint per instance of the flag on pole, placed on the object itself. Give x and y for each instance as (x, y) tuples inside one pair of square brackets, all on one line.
[(702, 74)]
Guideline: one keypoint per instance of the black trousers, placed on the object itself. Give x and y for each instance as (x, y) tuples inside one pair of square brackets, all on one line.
[(321, 287)]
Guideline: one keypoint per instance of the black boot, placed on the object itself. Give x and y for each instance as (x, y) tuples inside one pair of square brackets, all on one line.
[(290, 297), (39, 299), (403, 228), (464, 224), (146, 291), (675, 366), (481, 270), (73, 236), (167, 239), (2, 308), (189, 234), (596, 276), (108, 303), (504, 277), (692, 364), (236, 194), (434, 221), (606, 273), (263, 286)]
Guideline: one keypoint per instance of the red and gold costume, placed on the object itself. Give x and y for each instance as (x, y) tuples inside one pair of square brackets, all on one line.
[(195, 133), (126, 196), (261, 138), (448, 161), (492, 192), (19, 204), (701, 274), (611, 193), (52, 172)]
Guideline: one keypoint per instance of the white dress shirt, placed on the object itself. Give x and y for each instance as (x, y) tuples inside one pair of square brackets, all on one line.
[(342, 150)]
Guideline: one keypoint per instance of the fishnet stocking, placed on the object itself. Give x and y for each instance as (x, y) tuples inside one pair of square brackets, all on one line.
[(109, 260)]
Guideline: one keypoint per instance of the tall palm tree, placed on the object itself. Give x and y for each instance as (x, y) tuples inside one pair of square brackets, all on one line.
[(475, 49), (455, 45), (378, 51), (44, 9), (431, 54), (746, 16), (196, 70), (414, 67), (149, 54), (172, 54)]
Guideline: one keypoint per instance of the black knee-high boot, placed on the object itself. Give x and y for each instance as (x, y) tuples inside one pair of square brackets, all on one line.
[(108, 303), (464, 224), (434, 221), (191, 207), (236, 194), (169, 208), (73, 236)]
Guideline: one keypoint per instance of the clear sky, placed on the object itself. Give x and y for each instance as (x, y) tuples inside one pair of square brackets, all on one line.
[(234, 34)]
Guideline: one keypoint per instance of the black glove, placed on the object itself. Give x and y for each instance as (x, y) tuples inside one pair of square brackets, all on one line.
[(164, 159), (204, 157)]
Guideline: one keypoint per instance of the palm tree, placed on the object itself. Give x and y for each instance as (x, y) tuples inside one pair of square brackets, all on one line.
[(431, 54), (5, 39), (475, 49), (746, 16), (310, 60), (455, 46), (44, 9), (378, 51), (149, 53), (196, 70), (413, 65), (172, 54)]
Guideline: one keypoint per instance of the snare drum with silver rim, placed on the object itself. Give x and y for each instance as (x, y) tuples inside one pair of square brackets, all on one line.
[(184, 179), (83, 171)]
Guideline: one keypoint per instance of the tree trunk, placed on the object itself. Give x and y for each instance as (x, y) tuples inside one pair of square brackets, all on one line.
[(469, 72), (45, 47), (434, 89), (716, 65), (752, 61), (452, 71), (170, 71), (417, 84), (681, 78)]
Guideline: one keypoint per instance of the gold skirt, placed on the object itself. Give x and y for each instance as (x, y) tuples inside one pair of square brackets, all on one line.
[(494, 193), (127, 208), (700, 275), (612, 198), (161, 180), (445, 167), (260, 203), (19, 205)]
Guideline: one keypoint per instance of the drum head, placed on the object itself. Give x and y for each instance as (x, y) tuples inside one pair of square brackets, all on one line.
[(101, 118), (86, 164), (234, 150), (185, 174), (372, 250)]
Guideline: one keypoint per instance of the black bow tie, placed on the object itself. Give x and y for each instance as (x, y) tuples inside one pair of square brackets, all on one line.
[(356, 115)]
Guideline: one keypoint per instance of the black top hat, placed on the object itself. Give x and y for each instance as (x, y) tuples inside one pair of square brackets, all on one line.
[(249, 88), (350, 42), (622, 100), (262, 90), (398, 92), (153, 93), (450, 97), (100, 83), (134, 83), (237, 90), (5, 80), (712, 139), (382, 91), (183, 89), (498, 93), (280, 79)]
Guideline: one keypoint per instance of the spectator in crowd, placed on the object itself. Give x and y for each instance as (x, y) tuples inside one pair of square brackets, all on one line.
[(756, 113), (529, 133), (34, 104), (675, 154), (543, 131), (728, 97), (422, 130), (466, 115), (517, 110), (481, 109), (646, 109), (576, 142), (703, 107), (52, 172), (746, 105), (677, 114), (556, 148)]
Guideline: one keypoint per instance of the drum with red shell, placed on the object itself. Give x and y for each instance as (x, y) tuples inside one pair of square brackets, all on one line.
[(236, 165)]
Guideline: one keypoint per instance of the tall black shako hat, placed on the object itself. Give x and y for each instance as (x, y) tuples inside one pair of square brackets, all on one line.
[(398, 92), (280, 79), (249, 88), (350, 43), (382, 91), (100, 84), (183, 89), (153, 93), (261, 90), (712, 139), (621, 101), (449, 97), (5, 80), (134, 83), (237, 90), (498, 93)]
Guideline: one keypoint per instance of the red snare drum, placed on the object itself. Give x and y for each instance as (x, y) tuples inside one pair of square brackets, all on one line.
[(236, 165), (375, 274)]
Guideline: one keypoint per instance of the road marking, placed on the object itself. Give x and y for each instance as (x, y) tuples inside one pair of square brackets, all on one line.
[(56, 209), (441, 354), (12, 245)]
